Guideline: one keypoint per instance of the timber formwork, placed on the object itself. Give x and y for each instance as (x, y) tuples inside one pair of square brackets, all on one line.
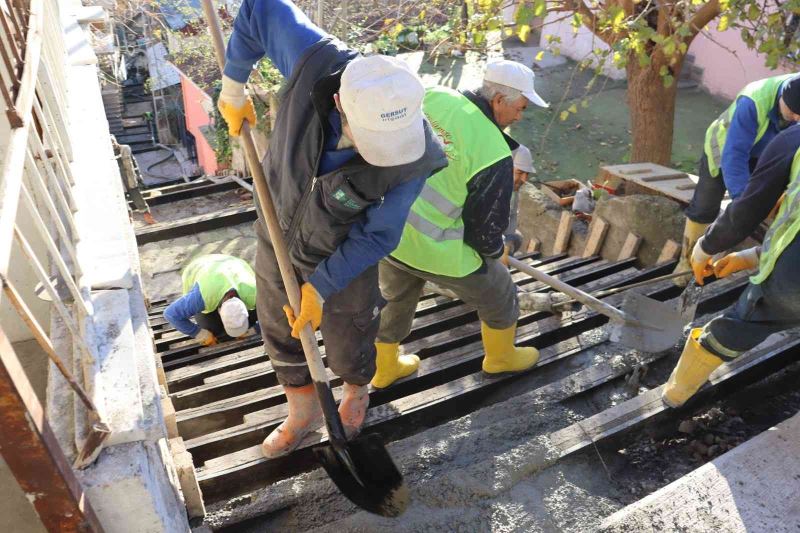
[(227, 399)]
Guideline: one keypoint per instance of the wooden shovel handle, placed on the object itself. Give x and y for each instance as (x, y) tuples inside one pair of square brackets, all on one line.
[(583, 297)]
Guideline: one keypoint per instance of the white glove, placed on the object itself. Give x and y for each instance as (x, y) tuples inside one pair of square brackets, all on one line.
[(206, 338)]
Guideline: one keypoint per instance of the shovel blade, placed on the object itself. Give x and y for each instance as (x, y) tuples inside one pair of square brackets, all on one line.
[(365, 473), (655, 326)]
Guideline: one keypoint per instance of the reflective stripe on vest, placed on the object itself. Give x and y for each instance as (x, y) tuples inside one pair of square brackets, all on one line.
[(763, 93), (216, 274), (784, 229), (433, 237)]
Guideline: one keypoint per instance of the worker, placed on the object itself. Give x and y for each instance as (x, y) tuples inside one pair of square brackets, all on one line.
[(523, 168), (771, 301), (454, 233), (348, 155), (733, 143), (219, 293), (132, 179)]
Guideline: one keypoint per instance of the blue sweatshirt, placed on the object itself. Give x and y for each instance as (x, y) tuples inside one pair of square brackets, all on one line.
[(740, 146), (279, 30), (180, 312)]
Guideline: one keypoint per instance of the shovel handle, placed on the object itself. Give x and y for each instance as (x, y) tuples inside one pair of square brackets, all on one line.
[(307, 338), (585, 298)]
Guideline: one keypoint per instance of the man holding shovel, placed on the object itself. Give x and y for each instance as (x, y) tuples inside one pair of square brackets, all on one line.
[(348, 156), (771, 302), (454, 233)]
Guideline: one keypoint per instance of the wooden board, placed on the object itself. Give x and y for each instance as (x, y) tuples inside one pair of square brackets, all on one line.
[(564, 232), (597, 235), (195, 224), (630, 247), (669, 252)]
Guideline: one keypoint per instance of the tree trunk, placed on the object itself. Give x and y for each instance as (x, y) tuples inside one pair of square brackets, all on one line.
[(652, 112)]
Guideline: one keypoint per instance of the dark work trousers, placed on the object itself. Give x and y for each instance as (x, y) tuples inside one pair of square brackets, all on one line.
[(489, 289), (708, 194), (761, 310), (213, 323), (350, 320)]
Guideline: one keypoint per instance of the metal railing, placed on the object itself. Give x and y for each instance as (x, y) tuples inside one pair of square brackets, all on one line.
[(36, 185)]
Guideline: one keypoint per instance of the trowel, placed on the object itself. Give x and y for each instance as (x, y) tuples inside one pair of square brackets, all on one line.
[(642, 324)]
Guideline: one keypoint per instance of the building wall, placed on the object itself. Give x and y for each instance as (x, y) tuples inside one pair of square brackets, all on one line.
[(197, 105), (727, 63)]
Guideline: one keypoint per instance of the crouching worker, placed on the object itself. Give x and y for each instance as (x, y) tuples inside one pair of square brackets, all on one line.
[(219, 299), (771, 302)]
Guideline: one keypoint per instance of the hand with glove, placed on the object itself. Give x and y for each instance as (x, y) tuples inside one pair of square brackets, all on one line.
[(701, 263), (310, 310), (235, 106), (206, 338), (736, 261)]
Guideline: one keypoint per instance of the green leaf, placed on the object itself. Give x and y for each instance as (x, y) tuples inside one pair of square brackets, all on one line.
[(573, 108), (577, 22), (669, 48), (663, 71), (668, 80), (584, 103), (753, 12), (540, 55), (539, 8), (644, 60), (564, 115), (724, 22)]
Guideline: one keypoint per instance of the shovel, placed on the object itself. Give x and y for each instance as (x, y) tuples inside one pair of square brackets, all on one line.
[(361, 468), (643, 324)]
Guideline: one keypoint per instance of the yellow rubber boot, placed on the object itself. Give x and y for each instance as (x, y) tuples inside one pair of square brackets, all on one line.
[(353, 408), (691, 372), (305, 416), (501, 354), (691, 234), (392, 366)]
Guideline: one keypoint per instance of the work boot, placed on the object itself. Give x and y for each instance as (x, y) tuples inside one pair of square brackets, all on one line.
[(691, 372), (392, 366), (353, 408), (305, 416), (501, 354), (691, 234)]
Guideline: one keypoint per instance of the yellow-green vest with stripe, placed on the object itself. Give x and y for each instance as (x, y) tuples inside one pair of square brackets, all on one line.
[(784, 229), (216, 274), (763, 93), (433, 236)]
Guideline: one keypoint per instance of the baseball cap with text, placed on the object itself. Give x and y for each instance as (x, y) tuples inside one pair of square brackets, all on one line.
[(514, 75), (382, 99)]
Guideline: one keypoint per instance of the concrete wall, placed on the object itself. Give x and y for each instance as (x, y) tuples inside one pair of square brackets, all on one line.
[(726, 62), (197, 105)]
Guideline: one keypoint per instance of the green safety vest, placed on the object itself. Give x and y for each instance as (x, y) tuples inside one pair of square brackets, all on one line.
[(763, 94), (433, 236), (216, 274), (785, 227)]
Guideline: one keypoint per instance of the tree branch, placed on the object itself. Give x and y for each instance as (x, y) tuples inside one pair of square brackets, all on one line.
[(590, 21), (704, 15)]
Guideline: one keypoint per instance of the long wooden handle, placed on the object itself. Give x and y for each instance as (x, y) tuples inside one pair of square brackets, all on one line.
[(307, 338), (585, 298)]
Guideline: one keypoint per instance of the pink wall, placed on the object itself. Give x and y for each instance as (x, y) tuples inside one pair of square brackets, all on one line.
[(724, 73), (728, 65), (196, 105)]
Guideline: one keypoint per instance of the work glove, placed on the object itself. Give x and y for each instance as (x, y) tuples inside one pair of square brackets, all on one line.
[(701, 263), (206, 338), (235, 106), (310, 310), (731, 263)]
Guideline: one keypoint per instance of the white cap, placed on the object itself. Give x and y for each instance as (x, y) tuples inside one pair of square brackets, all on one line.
[(514, 75), (382, 99), (523, 160), (235, 317)]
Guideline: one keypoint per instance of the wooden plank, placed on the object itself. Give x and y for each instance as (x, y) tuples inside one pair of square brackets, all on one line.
[(686, 187), (597, 235), (190, 488), (664, 177), (564, 232), (195, 224), (533, 245), (669, 252), (630, 247)]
